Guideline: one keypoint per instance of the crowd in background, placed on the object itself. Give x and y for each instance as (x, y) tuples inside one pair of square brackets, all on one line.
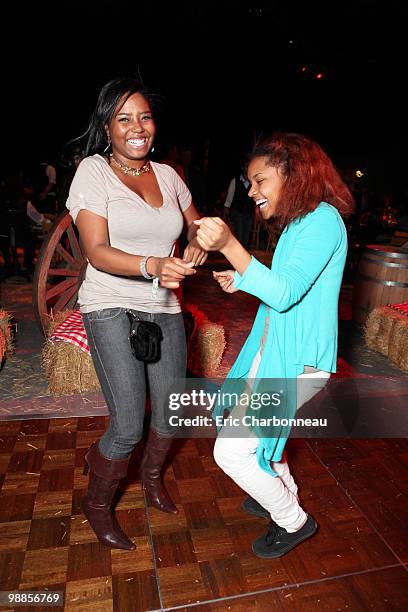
[(31, 197)]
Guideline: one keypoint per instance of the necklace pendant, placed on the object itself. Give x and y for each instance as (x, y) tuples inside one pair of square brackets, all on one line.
[(129, 170)]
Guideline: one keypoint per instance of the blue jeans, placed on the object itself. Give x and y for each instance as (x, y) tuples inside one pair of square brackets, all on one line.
[(123, 378)]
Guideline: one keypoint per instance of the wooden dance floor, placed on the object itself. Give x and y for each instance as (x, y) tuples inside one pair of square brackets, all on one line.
[(201, 559)]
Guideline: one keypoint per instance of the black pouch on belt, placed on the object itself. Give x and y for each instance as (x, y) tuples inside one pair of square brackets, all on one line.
[(145, 338)]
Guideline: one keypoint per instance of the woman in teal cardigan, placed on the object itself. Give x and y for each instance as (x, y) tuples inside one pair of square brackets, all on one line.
[(294, 335)]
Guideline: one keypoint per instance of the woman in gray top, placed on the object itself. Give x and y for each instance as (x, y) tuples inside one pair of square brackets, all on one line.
[(130, 212)]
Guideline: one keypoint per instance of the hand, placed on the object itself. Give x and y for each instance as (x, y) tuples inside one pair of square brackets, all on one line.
[(226, 280), (170, 270), (213, 233), (193, 252)]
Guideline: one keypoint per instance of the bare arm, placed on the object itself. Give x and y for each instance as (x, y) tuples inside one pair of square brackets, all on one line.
[(236, 254), (193, 252), (93, 230), (190, 215), (52, 182)]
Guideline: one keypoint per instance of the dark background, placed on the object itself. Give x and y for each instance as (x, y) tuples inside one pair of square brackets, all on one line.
[(225, 72)]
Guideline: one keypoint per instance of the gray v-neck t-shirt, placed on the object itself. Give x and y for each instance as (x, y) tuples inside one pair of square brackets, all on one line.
[(134, 227)]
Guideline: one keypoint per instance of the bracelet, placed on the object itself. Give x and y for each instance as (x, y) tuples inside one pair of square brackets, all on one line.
[(143, 268), (155, 287)]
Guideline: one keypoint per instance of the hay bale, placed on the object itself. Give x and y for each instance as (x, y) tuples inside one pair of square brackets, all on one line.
[(398, 345), (68, 369), (372, 327), (207, 349), (6, 339), (206, 345), (378, 328), (57, 319), (386, 331)]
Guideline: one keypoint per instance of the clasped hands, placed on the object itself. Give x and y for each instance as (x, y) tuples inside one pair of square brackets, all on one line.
[(173, 270), (213, 234)]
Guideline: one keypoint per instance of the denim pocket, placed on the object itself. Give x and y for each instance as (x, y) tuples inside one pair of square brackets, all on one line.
[(107, 314)]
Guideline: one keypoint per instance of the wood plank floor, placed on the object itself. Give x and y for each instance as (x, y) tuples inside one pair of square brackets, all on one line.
[(201, 559)]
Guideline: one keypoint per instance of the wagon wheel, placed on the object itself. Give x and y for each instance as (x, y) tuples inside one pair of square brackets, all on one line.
[(59, 271)]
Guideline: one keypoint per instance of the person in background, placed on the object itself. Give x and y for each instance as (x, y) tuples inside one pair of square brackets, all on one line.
[(294, 336), (198, 177), (16, 215), (44, 186), (238, 207), (170, 157), (130, 212), (72, 156)]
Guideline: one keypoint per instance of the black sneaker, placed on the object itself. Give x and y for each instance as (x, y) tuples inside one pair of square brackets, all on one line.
[(276, 542), (252, 507)]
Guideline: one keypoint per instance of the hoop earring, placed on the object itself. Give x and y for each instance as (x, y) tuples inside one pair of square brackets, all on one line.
[(108, 138)]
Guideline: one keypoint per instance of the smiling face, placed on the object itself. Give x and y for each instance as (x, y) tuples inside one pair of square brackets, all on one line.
[(266, 185), (132, 130)]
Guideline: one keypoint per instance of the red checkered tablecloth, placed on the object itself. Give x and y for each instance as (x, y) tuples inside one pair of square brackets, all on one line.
[(72, 330), (402, 308)]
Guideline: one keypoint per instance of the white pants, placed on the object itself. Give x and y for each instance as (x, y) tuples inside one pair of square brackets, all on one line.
[(237, 458)]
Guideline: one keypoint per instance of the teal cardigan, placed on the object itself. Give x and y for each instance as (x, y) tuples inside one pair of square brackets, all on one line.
[(301, 290)]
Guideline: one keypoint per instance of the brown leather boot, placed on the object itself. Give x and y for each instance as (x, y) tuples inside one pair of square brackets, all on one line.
[(154, 456), (104, 478)]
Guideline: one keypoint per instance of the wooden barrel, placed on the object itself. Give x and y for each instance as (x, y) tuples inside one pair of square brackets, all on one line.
[(382, 279)]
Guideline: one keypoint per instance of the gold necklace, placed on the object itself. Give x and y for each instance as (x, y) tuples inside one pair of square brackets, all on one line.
[(129, 170)]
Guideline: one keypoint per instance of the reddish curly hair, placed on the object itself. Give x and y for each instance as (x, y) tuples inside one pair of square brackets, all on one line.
[(309, 176)]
